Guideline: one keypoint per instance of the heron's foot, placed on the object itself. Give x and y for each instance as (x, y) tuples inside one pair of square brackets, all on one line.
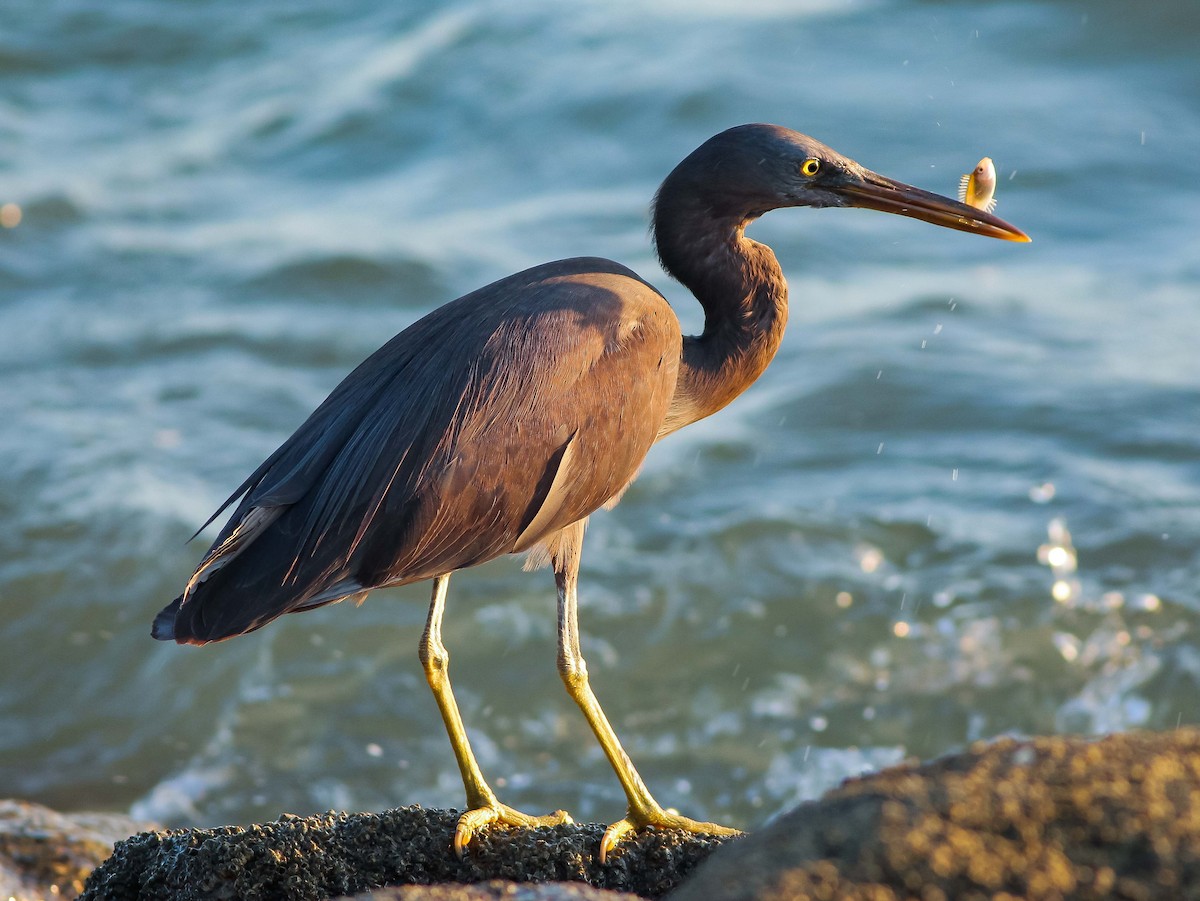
[(473, 820), (659, 819)]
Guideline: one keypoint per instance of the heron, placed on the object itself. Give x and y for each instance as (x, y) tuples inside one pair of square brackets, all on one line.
[(499, 422)]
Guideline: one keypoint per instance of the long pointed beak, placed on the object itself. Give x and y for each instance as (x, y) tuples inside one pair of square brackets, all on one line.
[(878, 192)]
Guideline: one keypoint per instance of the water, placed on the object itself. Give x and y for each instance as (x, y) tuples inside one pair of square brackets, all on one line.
[(961, 503)]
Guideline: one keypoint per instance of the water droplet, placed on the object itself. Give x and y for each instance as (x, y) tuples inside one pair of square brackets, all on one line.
[(1060, 558), (1042, 494), (1151, 603), (869, 558), (1068, 646)]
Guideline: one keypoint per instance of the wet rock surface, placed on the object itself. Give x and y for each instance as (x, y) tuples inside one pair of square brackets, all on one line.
[(1051, 818), (497, 890), (47, 854), (1048, 818)]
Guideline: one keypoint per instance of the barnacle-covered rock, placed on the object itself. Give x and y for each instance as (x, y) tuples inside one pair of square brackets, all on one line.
[(319, 857)]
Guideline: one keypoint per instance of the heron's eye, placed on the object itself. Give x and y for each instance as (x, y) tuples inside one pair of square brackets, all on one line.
[(810, 167)]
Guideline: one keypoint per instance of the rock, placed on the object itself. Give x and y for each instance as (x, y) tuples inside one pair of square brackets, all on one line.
[(1051, 818), (319, 857), (496, 890), (44, 853)]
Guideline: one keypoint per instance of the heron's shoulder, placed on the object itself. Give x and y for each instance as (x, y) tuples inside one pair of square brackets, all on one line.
[(583, 266), (578, 308), (583, 280)]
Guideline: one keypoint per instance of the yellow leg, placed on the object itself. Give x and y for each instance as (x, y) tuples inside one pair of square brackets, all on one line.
[(643, 809), (482, 806)]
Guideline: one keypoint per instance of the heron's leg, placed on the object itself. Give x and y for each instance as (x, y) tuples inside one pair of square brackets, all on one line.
[(482, 805), (643, 809)]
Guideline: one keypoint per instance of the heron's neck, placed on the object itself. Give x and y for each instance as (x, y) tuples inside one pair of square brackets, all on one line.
[(741, 287)]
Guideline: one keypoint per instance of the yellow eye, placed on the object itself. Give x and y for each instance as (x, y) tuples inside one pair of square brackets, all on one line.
[(810, 167)]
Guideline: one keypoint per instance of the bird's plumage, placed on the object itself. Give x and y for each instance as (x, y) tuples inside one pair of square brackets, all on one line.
[(440, 450)]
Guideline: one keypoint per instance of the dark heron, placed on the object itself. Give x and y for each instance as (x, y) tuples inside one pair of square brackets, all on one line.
[(500, 421)]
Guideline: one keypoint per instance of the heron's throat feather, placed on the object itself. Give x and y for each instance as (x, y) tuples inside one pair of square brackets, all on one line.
[(741, 287)]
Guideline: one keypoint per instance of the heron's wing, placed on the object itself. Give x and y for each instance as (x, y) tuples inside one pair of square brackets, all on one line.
[(561, 402), (442, 449), (300, 462)]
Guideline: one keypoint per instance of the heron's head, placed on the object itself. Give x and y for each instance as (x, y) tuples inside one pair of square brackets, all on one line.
[(751, 169)]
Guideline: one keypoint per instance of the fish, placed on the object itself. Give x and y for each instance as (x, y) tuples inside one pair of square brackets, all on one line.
[(978, 187)]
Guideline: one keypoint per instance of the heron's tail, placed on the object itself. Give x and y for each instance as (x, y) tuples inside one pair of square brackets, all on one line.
[(164, 624)]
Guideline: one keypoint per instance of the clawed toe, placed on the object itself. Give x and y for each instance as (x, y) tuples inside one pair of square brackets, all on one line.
[(659, 819), (473, 820)]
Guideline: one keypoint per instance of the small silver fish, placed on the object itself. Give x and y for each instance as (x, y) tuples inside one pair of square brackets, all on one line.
[(978, 188)]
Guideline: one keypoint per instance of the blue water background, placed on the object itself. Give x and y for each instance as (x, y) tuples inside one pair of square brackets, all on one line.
[(963, 502)]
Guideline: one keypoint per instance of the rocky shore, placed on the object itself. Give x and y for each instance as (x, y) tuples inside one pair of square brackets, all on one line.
[(1048, 818), (47, 854)]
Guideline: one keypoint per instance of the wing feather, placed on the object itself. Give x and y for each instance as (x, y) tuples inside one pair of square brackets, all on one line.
[(448, 447)]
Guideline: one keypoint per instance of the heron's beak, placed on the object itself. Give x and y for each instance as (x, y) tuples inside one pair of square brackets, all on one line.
[(878, 192)]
